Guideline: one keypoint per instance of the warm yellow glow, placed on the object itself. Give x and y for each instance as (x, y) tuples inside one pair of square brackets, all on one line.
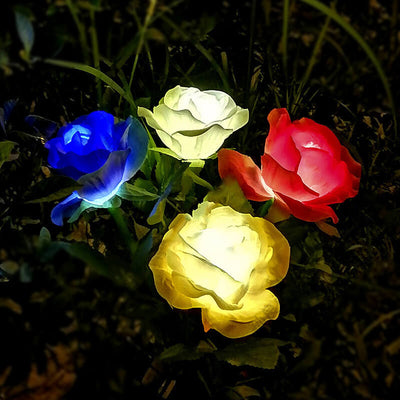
[(222, 261)]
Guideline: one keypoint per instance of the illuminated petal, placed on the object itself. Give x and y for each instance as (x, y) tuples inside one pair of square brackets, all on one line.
[(326, 176), (169, 120), (179, 97), (194, 123), (135, 139), (273, 261), (162, 272), (237, 120), (279, 144), (353, 166), (84, 164), (101, 125), (310, 212), (222, 261), (284, 182), (65, 209), (101, 185), (308, 134), (245, 172), (256, 310), (199, 146)]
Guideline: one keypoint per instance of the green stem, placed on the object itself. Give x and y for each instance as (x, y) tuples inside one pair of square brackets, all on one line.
[(124, 230), (149, 14), (96, 73), (310, 66), (81, 30)]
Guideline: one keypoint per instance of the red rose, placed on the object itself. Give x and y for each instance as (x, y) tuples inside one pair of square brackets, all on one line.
[(304, 168)]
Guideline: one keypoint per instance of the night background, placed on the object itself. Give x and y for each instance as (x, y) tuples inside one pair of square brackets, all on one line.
[(79, 314)]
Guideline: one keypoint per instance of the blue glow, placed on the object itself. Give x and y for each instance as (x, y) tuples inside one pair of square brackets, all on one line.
[(104, 199), (84, 134), (98, 153)]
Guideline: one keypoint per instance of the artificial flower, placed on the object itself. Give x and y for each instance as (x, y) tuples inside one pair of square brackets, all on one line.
[(100, 154), (194, 123), (304, 167), (222, 261)]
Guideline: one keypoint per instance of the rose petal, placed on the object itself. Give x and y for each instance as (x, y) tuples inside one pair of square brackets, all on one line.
[(196, 147), (324, 174), (160, 266), (56, 150), (84, 164), (279, 145), (179, 97), (274, 257), (65, 209), (136, 139), (310, 212), (239, 119), (206, 107), (353, 166), (284, 182), (309, 134), (118, 131), (245, 172), (101, 185), (256, 310), (171, 121), (101, 124)]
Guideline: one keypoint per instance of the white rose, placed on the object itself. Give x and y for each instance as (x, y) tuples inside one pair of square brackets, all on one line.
[(222, 261), (195, 123)]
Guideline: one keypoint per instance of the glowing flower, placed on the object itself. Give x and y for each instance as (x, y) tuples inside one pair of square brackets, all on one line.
[(222, 261), (99, 154), (304, 167), (194, 123)]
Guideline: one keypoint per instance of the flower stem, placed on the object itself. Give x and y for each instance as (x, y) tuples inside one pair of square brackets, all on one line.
[(124, 230)]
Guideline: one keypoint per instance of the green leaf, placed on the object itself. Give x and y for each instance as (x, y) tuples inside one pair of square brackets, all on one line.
[(44, 237), (180, 352), (98, 74), (5, 151), (127, 51), (169, 170), (82, 252), (164, 150), (196, 179), (59, 194), (245, 392), (136, 193), (158, 215), (24, 29), (230, 194), (255, 352), (264, 208)]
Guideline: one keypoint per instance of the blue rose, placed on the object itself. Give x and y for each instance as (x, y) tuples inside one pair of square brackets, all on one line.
[(100, 155)]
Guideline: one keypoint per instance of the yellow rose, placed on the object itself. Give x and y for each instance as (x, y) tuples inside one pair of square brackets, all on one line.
[(222, 261), (195, 123)]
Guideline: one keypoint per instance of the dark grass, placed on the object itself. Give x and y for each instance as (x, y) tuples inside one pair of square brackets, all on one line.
[(342, 330)]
